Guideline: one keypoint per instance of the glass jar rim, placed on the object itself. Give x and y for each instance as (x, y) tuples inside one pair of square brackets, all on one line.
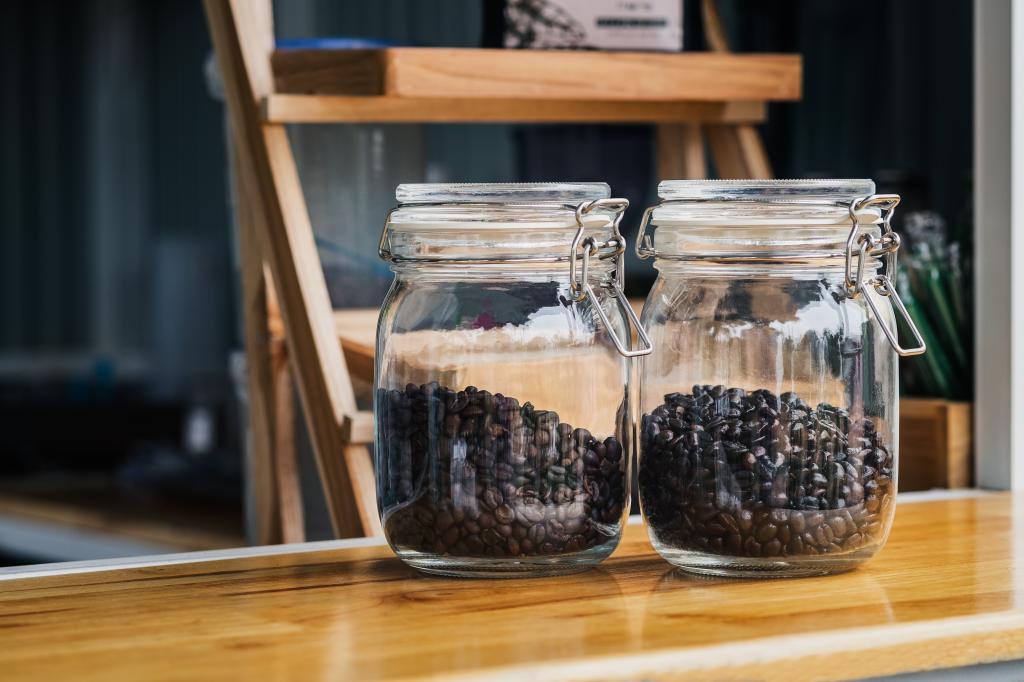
[(501, 193), (810, 191), (495, 206), (763, 203)]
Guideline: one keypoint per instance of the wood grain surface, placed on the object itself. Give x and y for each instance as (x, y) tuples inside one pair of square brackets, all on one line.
[(948, 590), (936, 442), (388, 109), (243, 38), (461, 73)]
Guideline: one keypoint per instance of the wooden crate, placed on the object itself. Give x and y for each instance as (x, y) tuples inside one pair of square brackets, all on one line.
[(936, 444)]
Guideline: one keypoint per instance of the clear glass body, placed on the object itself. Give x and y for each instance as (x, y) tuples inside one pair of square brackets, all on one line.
[(769, 405), (502, 413)]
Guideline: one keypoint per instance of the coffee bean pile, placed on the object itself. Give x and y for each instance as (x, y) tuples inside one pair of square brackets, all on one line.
[(474, 474), (760, 475)]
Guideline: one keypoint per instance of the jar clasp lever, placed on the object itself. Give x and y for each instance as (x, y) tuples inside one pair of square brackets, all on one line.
[(586, 247), (887, 245)]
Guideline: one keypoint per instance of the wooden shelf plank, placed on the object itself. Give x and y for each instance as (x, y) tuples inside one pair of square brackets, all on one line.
[(480, 74), (386, 109), (946, 591)]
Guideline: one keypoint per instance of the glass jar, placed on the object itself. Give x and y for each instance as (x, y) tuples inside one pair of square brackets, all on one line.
[(503, 433), (768, 441)]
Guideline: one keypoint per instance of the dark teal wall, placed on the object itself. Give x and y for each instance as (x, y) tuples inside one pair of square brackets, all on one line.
[(112, 162), (110, 145), (887, 86)]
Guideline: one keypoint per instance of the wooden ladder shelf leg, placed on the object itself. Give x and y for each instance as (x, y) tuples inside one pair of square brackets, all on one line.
[(680, 150), (242, 32), (259, 374)]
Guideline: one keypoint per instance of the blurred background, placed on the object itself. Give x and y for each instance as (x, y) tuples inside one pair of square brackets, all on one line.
[(122, 379)]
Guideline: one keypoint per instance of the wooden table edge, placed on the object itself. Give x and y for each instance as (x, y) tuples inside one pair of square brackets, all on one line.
[(205, 556), (956, 642), (942, 638)]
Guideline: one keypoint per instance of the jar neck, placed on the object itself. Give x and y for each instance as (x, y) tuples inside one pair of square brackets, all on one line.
[(555, 270), (769, 243), (832, 269), (474, 234)]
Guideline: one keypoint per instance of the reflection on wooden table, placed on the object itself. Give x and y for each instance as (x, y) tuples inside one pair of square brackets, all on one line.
[(947, 590)]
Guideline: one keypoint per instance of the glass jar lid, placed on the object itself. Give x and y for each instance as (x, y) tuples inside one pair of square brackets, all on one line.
[(759, 202), (497, 222), (817, 191), (769, 220), (501, 192)]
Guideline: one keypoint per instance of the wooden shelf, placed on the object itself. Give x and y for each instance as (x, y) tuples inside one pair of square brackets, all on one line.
[(386, 109), (946, 591), (443, 73), (477, 85)]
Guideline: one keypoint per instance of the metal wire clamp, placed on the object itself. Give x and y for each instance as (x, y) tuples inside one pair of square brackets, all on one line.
[(584, 248), (384, 245), (644, 245), (887, 245)]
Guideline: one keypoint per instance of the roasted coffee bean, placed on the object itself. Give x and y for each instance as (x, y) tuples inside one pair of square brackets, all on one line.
[(443, 520), (759, 475), (530, 512), (475, 474), (451, 536), (513, 546), (752, 547), (765, 532), (491, 498), (504, 514)]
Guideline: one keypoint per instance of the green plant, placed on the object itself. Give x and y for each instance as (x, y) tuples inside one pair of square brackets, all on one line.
[(933, 280)]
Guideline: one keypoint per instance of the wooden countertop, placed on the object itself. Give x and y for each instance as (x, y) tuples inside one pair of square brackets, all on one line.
[(948, 590)]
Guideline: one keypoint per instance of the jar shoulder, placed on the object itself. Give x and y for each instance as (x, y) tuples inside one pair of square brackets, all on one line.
[(521, 308), (767, 301)]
